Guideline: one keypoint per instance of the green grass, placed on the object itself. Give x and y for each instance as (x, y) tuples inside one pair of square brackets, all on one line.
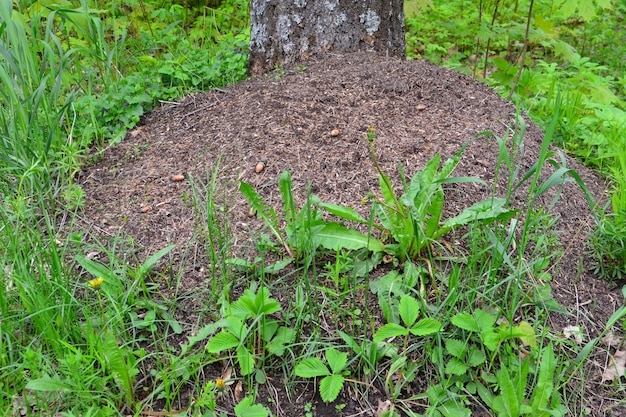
[(448, 328)]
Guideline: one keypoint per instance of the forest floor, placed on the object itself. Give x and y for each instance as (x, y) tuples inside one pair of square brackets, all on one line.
[(285, 120)]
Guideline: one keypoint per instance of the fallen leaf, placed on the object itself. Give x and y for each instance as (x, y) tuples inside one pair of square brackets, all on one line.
[(574, 332), (238, 392), (616, 366), (611, 339), (383, 407)]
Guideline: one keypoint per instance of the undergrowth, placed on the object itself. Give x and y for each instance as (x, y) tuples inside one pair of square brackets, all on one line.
[(86, 328)]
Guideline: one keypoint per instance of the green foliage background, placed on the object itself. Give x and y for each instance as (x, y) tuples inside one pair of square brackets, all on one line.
[(75, 76)]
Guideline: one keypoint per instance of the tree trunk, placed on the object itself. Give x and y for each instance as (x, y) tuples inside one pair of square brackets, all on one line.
[(285, 32)]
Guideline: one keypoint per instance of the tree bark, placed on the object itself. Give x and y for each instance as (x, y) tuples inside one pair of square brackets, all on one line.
[(286, 32)]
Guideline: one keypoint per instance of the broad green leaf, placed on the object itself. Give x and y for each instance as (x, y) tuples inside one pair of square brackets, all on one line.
[(476, 357), (283, 336), (347, 213), (330, 386), (236, 325), (222, 341), (484, 320), (456, 348), (452, 409), (506, 403), (545, 384), (98, 270), (245, 359), (492, 339), (390, 330), (311, 368), (201, 335), (425, 327), (456, 367), (409, 310), (265, 304), (277, 266), (490, 209), (336, 360), (116, 358), (51, 384), (450, 164), (352, 344), (526, 333), (465, 321), (386, 216), (434, 210), (334, 236), (247, 408)]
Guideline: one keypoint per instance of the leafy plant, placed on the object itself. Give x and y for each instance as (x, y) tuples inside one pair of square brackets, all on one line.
[(333, 372), (413, 220), (409, 312), (247, 329), (305, 230)]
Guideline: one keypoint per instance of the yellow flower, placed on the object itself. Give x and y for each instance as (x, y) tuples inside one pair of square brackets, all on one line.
[(371, 134), (95, 283), (220, 384)]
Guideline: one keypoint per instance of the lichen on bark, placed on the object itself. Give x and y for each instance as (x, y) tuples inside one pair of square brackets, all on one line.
[(284, 33)]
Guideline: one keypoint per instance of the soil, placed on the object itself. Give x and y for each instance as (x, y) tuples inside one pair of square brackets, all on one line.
[(285, 120)]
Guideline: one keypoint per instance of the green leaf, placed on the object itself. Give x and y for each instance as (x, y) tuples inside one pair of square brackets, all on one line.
[(283, 336), (336, 360), (247, 408), (486, 210), (426, 326), (256, 202), (545, 384), (116, 358), (245, 359), (452, 409), (434, 210), (51, 384), (285, 187), (476, 357), (334, 236), (389, 195), (151, 261), (526, 333), (222, 341), (311, 368), (265, 304), (456, 348), (409, 310), (465, 321), (484, 320), (174, 324), (330, 387), (456, 367), (390, 330), (347, 213), (201, 335), (506, 404)]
